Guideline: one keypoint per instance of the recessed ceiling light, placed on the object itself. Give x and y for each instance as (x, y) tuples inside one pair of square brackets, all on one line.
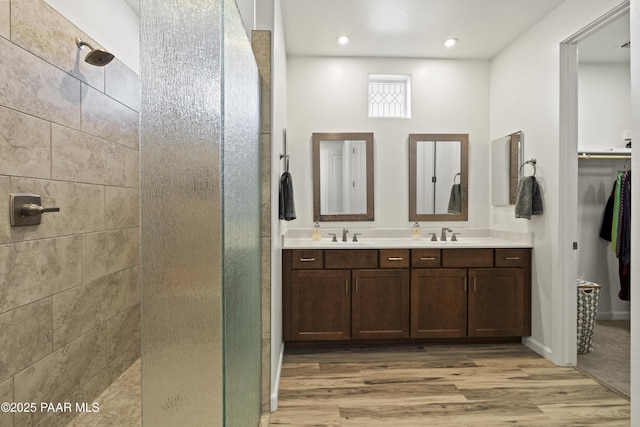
[(343, 39), (450, 42)]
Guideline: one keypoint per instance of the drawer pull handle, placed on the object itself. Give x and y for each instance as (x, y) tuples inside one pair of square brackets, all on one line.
[(395, 258), (427, 258), (474, 284), (346, 286), (465, 284), (356, 286), (512, 258), (307, 259)]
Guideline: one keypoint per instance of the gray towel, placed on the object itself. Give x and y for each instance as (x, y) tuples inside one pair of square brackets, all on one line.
[(454, 200), (529, 200), (287, 205)]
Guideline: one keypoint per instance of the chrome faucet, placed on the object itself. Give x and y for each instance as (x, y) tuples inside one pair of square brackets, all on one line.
[(443, 235), (344, 234)]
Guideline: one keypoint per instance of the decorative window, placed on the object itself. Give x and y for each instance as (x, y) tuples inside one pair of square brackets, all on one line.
[(389, 95)]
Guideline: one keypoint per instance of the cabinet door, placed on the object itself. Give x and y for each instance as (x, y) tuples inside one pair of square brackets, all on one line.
[(380, 303), (496, 302), (439, 303), (320, 305)]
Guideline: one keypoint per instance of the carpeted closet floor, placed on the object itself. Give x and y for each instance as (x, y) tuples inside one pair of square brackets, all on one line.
[(609, 362)]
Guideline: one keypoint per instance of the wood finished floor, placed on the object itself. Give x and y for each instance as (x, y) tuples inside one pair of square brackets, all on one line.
[(458, 385)]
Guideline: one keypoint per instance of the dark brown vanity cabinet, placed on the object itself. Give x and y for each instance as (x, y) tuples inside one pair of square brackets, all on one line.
[(387, 294)]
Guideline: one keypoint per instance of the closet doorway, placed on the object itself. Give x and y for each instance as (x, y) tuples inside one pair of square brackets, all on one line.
[(604, 162)]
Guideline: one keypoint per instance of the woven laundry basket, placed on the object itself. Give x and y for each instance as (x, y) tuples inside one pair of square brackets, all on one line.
[(588, 296)]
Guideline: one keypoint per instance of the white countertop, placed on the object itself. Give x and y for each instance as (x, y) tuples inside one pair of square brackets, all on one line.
[(387, 239)]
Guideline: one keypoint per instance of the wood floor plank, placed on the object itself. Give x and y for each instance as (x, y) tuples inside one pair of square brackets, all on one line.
[(444, 385)]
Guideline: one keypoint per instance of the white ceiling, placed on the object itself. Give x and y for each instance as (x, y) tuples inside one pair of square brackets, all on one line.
[(408, 28), (418, 28)]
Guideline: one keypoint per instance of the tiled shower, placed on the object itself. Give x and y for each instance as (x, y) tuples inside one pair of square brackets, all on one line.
[(69, 297)]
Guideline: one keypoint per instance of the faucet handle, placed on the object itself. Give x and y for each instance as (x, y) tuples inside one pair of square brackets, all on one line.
[(334, 237), (433, 237), (355, 237), (454, 238)]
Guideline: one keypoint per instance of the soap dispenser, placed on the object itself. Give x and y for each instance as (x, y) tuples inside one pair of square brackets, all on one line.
[(416, 234), (316, 232)]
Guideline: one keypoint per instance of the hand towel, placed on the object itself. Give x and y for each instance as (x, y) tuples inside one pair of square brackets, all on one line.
[(287, 205), (455, 203), (529, 200)]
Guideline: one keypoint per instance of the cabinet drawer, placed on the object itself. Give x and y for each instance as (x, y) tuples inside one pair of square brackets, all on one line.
[(467, 258), (394, 258), (425, 258), (512, 257), (350, 258), (306, 258)]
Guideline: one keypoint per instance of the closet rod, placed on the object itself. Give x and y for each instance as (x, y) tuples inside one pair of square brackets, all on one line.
[(603, 156)]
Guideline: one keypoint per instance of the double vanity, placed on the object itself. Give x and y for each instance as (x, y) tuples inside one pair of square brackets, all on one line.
[(389, 287)]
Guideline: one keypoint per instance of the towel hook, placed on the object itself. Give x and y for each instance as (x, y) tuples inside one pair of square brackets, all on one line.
[(458, 175), (531, 162)]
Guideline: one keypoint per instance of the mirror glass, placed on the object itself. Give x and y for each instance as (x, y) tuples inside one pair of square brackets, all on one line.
[(438, 168), (342, 176), (506, 156)]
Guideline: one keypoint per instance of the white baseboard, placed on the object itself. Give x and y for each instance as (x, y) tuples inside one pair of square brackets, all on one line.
[(536, 346), (273, 403), (616, 315)]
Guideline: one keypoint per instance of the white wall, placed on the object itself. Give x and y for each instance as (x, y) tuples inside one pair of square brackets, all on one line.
[(329, 94), (111, 23), (635, 215), (604, 112), (525, 87)]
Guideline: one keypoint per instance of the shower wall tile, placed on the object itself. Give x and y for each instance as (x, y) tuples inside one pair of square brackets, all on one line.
[(80, 309), (25, 144), (37, 269), (131, 168), (122, 332), (106, 118), (62, 419), (25, 338), (81, 208), (5, 20), (38, 28), (108, 252), (121, 207), (5, 227), (79, 157), (66, 279), (58, 375), (35, 87), (122, 84)]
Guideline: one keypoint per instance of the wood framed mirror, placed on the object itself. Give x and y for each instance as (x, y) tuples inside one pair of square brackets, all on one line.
[(343, 177), (506, 158), (438, 175)]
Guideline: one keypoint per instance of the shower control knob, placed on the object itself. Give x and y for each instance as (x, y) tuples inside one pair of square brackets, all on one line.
[(31, 209), (27, 209)]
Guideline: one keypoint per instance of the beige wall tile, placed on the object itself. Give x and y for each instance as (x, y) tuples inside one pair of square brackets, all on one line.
[(41, 30), (62, 419), (122, 84), (58, 375), (4, 19), (38, 269), (81, 208), (106, 118), (6, 395), (25, 144), (121, 207), (80, 309), (79, 157), (122, 332), (35, 87), (25, 338), (131, 168), (131, 278), (5, 223), (108, 252)]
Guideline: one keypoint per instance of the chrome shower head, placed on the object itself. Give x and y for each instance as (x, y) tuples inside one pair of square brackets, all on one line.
[(96, 57)]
